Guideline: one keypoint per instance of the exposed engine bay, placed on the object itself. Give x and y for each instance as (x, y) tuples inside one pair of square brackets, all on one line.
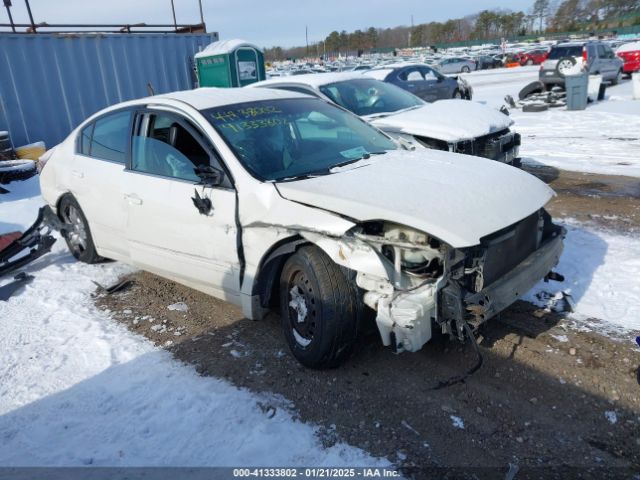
[(432, 284)]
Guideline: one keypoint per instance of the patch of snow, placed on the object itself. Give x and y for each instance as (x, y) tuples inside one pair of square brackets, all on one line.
[(457, 422), (561, 338), (611, 416), (601, 274), (603, 138), (178, 307)]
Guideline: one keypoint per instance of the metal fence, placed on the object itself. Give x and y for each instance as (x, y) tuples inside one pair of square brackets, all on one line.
[(50, 83)]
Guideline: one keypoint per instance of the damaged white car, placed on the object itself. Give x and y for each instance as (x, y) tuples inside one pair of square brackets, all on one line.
[(453, 125), (275, 200)]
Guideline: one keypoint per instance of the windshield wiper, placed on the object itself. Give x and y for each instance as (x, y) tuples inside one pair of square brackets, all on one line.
[(364, 156), (329, 170), (371, 116)]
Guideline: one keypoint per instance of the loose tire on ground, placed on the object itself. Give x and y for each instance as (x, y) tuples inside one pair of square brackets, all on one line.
[(535, 107), (530, 89), (78, 236), (319, 308)]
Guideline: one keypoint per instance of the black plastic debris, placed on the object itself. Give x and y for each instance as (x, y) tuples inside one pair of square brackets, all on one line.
[(10, 288)]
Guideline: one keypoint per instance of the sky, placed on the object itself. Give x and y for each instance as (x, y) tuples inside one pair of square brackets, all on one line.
[(266, 23)]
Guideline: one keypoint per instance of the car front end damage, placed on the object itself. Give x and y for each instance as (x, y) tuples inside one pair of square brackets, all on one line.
[(502, 146), (430, 284)]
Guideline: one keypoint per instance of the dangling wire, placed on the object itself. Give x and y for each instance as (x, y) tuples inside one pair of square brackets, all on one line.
[(479, 361)]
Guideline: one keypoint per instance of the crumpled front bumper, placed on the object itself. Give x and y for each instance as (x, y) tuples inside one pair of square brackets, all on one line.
[(502, 147), (509, 288)]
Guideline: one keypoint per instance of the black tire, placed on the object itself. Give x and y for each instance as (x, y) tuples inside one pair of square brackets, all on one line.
[(529, 62), (562, 63), (78, 236), (13, 170), (535, 107), (530, 89), (465, 69), (457, 94), (319, 308)]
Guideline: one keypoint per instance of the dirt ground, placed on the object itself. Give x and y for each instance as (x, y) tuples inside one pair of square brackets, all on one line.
[(548, 395), (606, 201)]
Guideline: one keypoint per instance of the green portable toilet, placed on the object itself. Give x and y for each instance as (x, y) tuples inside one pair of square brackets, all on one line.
[(230, 63)]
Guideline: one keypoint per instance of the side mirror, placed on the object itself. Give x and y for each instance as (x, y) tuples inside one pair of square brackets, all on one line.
[(209, 176)]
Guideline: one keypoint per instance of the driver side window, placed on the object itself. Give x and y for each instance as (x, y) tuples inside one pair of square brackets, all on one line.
[(429, 74), (411, 75), (163, 146)]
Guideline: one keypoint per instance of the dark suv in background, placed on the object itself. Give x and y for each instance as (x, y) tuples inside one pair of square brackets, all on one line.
[(594, 57)]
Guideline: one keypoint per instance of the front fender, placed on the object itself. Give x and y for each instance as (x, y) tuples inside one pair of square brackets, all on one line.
[(352, 254)]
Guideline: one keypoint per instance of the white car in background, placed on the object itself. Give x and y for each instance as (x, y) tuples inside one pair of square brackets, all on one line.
[(276, 200), (453, 125)]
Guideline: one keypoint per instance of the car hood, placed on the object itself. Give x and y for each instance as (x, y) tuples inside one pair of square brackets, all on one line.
[(456, 198), (448, 120)]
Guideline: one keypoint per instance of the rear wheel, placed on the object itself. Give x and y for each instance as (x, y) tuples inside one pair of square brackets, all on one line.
[(77, 235), (319, 308), (465, 69), (530, 62)]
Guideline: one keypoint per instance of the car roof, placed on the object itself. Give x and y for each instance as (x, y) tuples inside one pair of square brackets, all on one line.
[(314, 80), (400, 65), (210, 97)]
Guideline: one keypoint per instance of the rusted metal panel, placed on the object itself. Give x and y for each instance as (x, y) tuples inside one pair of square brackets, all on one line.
[(50, 83)]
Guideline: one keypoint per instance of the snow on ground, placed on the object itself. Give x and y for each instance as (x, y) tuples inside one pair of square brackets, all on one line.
[(602, 275), (77, 388), (604, 138)]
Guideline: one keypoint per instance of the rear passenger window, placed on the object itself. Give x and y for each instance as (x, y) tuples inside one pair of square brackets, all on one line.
[(110, 138)]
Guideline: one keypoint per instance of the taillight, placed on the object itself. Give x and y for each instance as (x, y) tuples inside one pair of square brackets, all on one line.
[(44, 158), (585, 57)]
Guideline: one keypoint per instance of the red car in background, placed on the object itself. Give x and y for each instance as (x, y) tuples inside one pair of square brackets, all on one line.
[(630, 55), (532, 57)]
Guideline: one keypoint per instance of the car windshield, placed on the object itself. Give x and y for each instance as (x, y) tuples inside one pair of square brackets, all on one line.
[(285, 139), (367, 96), (557, 53)]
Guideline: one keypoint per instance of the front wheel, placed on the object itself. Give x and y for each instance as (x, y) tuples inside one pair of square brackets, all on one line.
[(466, 69), (77, 233), (530, 62), (457, 94), (319, 308)]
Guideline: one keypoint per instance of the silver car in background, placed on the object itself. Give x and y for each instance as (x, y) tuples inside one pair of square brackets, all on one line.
[(456, 65)]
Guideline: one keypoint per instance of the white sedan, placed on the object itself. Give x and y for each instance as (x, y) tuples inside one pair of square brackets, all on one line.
[(453, 125), (274, 200)]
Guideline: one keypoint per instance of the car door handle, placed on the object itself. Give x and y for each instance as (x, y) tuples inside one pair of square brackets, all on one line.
[(77, 173), (133, 199)]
